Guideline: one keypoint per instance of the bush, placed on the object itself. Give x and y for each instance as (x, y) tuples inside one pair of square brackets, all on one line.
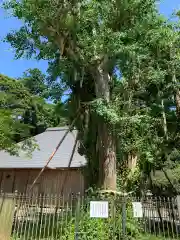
[(98, 229)]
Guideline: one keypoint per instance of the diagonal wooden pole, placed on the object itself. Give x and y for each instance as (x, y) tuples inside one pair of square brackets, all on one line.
[(54, 152), (69, 164)]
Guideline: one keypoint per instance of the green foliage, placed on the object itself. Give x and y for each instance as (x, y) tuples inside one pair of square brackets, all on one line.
[(34, 81), (23, 114), (14, 100), (106, 112), (96, 228), (38, 84), (40, 113)]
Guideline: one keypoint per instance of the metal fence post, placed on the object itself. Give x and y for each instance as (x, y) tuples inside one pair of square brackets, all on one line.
[(76, 237), (124, 217)]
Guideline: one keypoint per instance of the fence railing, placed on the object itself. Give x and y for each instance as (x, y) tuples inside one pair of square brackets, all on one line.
[(53, 217), (160, 217)]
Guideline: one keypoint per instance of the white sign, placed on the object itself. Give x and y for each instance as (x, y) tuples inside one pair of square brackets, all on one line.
[(99, 209), (137, 209)]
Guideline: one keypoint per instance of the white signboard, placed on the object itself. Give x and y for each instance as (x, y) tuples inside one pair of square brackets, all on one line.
[(137, 209), (99, 209)]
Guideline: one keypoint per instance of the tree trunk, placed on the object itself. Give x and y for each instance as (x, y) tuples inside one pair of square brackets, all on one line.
[(178, 103), (107, 158), (131, 165), (102, 84), (164, 120), (132, 162), (106, 143), (174, 80)]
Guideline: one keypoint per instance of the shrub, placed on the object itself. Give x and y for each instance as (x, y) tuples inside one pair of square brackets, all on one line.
[(95, 228)]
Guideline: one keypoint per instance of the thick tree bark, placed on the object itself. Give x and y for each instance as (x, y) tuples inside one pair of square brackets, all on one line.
[(107, 158), (106, 143)]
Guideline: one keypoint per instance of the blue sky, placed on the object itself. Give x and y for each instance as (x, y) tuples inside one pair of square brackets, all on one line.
[(15, 68)]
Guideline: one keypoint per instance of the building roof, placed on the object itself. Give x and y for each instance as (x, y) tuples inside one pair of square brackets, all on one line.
[(47, 142)]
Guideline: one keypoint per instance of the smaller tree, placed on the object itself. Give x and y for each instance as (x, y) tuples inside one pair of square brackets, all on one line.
[(14, 100), (23, 111), (35, 81)]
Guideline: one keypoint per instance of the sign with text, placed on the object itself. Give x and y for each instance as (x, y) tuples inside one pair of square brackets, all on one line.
[(99, 209), (137, 209)]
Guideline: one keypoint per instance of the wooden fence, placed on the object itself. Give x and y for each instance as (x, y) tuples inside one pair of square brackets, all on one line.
[(51, 217)]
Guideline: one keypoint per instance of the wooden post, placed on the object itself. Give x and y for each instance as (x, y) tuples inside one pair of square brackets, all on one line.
[(76, 237), (124, 217), (178, 205), (7, 207)]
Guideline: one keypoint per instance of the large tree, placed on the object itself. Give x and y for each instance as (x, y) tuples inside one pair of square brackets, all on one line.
[(84, 41)]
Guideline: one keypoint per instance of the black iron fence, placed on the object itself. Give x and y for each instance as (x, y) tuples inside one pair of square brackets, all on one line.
[(41, 217)]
